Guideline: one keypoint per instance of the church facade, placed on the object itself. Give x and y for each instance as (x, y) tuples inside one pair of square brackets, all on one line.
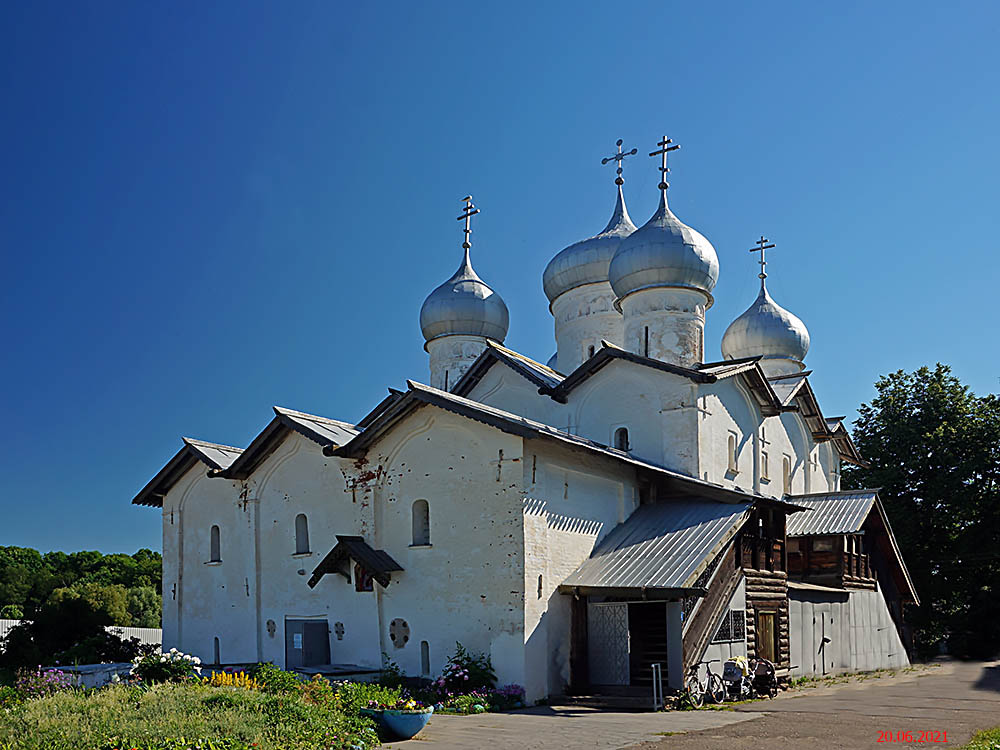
[(626, 504)]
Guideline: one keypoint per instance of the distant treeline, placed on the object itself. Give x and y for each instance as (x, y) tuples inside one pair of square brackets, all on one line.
[(125, 589)]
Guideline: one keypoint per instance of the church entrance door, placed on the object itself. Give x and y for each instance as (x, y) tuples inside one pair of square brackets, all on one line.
[(307, 643), (608, 643)]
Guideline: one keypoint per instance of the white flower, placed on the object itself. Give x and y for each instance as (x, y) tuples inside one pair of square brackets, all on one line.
[(196, 660)]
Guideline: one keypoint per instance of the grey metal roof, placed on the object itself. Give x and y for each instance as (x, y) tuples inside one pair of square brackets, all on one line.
[(419, 394), (213, 455), (327, 430), (661, 546), (787, 388), (831, 513), (320, 430)]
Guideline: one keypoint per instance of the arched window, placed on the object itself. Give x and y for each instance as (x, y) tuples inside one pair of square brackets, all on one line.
[(621, 438), (216, 651), (215, 545), (425, 658), (786, 475), (731, 451), (301, 534), (421, 523)]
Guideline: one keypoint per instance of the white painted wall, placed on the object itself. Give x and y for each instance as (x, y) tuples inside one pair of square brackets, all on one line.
[(728, 650), (567, 510), (674, 319), (451, 356), (583, 316)]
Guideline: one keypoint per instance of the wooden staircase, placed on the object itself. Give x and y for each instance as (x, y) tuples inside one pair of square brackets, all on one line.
[(705, 619)]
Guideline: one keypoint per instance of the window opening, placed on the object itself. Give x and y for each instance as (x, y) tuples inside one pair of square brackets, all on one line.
[(301, 534), (621, 439), (215, 545), (421, 523)]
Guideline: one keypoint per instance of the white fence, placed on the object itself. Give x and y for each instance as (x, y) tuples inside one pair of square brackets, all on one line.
[(153, 636)]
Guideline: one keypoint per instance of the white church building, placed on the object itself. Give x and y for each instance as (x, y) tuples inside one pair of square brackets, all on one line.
[(628, 503)]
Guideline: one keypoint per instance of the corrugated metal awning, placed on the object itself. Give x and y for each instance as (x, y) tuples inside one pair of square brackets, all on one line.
[(663, 546), (831, 513)]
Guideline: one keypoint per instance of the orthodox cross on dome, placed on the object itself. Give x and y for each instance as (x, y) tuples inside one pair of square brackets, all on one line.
[(762, 245), (467, 214), (619, 158), (666, 146)]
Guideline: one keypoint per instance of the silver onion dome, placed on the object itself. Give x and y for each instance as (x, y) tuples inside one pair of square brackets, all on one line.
[(766, 330), (464, 305), (587, 261), (664, 252)]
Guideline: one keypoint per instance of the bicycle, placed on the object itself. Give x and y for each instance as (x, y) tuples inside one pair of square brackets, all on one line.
[(697, 689)]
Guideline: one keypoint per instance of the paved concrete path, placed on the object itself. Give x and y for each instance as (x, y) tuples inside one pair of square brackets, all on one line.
[(558, 727), (954, 698)]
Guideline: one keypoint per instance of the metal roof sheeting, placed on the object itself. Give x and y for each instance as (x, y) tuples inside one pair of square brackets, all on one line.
[(214, 455), (831, 513), (664, 545), (326, 430)]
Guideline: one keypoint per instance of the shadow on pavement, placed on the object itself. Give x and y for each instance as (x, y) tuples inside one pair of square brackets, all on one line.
[(989, 678)]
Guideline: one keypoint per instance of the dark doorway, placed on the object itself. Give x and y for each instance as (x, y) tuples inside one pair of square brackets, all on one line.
[(647, 630), (307, 643)]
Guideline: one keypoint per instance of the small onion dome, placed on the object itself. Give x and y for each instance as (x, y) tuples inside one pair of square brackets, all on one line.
[(464, 305), (664, 252), (587, 261), (766, 330)]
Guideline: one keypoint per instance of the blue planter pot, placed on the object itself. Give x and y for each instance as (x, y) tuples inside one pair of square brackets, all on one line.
[(403, 724)]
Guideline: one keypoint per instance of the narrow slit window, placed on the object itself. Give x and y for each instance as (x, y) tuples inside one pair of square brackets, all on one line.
[(763, 465), (590, 351), (645, 342), (539, 587), (731, 450), (216, 651), (215, 545), (301, 534), (421, 523), (786, 475), (425, 658)]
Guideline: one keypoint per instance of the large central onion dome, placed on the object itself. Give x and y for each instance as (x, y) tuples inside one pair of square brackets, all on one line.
[(464, 305), (664, 252), (766, 330), (587, 261)]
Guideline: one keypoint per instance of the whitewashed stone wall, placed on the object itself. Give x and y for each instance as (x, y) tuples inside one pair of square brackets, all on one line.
[(583, 316)]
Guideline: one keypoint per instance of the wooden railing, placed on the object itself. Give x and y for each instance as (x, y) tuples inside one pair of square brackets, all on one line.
[(857, 565)]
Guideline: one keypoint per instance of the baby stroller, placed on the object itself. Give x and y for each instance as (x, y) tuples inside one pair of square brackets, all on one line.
[(736, 678), (763, 679)]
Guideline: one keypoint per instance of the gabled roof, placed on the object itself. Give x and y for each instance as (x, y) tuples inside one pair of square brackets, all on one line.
[(796, 394), (321, 430), (660, 550), (846, 512), (832, 513), (753, 376), (213, 455), (535, 372), (419, 395), (377, 563)]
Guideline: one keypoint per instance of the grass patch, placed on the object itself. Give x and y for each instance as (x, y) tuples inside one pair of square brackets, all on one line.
[(987, 739), (153, 717)]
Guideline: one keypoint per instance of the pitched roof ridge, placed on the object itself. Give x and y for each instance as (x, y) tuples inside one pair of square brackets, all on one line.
[(790, 375), (209, 444), (305, 415)]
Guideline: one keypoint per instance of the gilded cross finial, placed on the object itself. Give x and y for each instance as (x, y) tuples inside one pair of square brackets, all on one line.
[(467, 214), (762, 245), (619, 158), (666, 146)]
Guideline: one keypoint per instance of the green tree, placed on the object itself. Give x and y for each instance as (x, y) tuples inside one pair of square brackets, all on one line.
[(11, 612), (934, 449), (144, 606)]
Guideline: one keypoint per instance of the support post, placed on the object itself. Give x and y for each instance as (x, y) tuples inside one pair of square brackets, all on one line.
[(675, 645)]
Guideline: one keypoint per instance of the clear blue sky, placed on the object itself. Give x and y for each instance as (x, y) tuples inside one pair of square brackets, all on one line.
[(210, 208)]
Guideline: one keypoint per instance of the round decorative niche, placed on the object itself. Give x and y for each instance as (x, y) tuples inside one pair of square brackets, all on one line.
[(271, 628), (399, 632), (338, 628)]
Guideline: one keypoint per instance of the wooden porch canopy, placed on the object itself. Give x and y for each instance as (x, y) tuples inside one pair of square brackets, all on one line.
[(377, 563)]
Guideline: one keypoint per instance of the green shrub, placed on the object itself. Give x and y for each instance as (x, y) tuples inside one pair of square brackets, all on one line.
[(318, 691), (10, 697), (466, 672), (172, 666), (353, 696), (275, 680)]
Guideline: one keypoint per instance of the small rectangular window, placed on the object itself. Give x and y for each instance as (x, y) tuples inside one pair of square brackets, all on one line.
[(731, 448), (822, 545), (763, 465), (732, 628)]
